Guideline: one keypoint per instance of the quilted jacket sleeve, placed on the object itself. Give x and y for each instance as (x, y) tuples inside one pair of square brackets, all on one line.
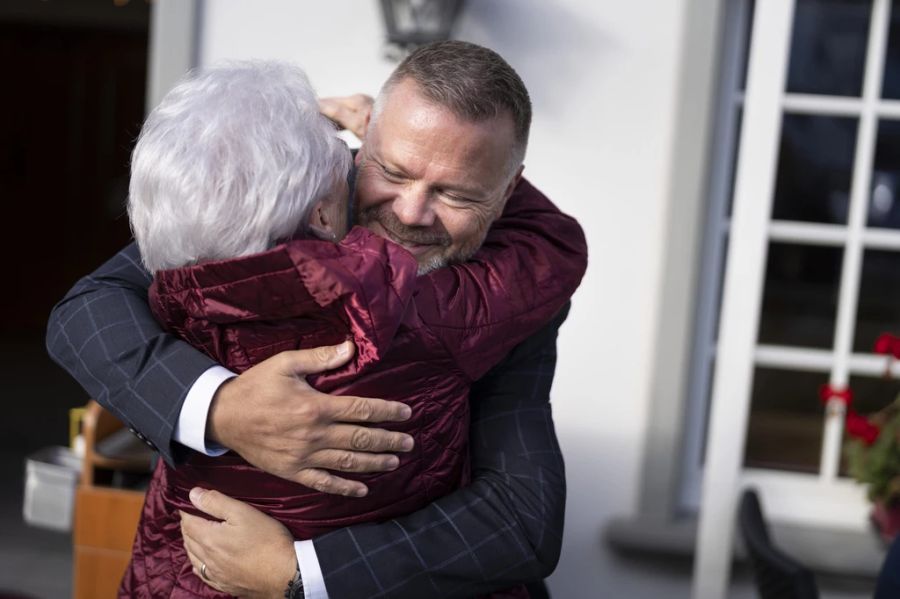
[(530, 264), (103, 334)]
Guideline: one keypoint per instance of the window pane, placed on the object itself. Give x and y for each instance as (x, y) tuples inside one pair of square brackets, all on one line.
[(891, 84), (815, 164), (884, 204), (800, 296), (879, 298), (828, 47), (871, 394), (786, 420)]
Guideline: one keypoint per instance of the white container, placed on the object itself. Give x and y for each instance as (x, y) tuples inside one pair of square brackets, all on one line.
[(51, 475)]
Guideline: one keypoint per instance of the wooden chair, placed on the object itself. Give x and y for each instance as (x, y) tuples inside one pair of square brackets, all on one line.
[(106, 517)]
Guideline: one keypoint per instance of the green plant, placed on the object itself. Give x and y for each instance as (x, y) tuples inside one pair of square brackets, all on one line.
[(873, 452)]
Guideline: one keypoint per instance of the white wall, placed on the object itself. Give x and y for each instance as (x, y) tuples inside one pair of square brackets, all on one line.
[(602, 75)]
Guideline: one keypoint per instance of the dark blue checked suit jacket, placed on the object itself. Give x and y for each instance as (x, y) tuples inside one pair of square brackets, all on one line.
[(505, 528)]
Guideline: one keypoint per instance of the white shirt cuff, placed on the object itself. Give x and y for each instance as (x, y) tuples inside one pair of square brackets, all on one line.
[(310, 571), (191, 427)]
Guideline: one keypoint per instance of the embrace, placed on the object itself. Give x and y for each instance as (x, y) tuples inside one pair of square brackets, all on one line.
[(343, 360)]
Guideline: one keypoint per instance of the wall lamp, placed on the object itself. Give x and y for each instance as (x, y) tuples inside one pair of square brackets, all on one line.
[(414, 23)]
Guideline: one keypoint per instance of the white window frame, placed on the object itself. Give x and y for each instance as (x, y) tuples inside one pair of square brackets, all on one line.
[(712, 256), (824, 499)]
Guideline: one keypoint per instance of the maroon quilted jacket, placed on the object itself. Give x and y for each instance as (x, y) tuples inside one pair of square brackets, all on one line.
[(420, 340)]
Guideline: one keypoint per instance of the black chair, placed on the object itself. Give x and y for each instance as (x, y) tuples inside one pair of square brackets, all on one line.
[(777, 576)]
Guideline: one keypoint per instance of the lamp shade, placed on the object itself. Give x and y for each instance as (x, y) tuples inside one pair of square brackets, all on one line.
[(412, 23)]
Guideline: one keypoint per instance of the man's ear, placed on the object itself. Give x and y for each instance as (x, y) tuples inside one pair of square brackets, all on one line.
[(513, 182), (511, 186)]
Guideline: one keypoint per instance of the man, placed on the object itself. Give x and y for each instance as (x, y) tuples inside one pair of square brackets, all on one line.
[(442, 155)]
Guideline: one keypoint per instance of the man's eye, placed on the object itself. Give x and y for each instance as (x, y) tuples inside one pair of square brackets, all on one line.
[(391, 174), (455, 198)]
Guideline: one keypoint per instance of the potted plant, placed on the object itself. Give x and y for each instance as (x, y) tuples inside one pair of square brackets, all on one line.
[(873, 453)]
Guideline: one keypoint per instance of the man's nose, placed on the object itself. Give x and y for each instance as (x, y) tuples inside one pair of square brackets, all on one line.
[(414, 208)]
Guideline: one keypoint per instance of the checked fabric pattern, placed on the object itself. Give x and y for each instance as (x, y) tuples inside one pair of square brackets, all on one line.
[(103, 334), (505, 528)]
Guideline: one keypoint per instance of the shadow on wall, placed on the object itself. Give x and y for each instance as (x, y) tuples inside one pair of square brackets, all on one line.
[(600, 479), (523, 31)]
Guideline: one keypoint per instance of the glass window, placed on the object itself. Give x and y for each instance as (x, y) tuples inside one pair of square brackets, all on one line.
[(871, 394), (785, 428), (878, 309), (884, 203), (891, 83), (815, 166), (800, 295), (828, 47)]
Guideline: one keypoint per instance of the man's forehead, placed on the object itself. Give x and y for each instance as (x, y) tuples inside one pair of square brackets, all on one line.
[(407, 98), (436, 133)]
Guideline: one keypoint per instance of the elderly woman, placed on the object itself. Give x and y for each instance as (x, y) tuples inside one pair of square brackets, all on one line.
[(233, 161), (239, 204)]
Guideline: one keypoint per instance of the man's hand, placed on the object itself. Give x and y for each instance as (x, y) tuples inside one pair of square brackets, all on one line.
[(277, 422), (248, 554), (349, 112)]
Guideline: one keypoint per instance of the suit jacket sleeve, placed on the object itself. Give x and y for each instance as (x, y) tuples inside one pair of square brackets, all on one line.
[(103, 334), (503, 529)]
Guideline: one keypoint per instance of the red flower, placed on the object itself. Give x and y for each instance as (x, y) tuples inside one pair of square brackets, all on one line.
[(860, 427), (888, 344)]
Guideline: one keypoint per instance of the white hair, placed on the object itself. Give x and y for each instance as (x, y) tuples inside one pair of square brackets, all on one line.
[(230, 163)]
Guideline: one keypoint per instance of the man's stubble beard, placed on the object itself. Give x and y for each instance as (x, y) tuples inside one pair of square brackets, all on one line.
[(394, 229), (431, 264)]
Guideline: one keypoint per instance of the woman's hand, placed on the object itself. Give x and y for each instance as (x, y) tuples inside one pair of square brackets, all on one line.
[(349, 112), (248, 554)]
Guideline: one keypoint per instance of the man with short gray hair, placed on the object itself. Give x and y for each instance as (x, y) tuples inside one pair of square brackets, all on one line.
[(438, 164)]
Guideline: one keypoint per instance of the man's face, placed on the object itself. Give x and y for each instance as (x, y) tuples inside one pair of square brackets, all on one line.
[(430, 181)]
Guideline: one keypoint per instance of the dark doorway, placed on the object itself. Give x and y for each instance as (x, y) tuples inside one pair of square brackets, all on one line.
[(74, 79), (75, 95)]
